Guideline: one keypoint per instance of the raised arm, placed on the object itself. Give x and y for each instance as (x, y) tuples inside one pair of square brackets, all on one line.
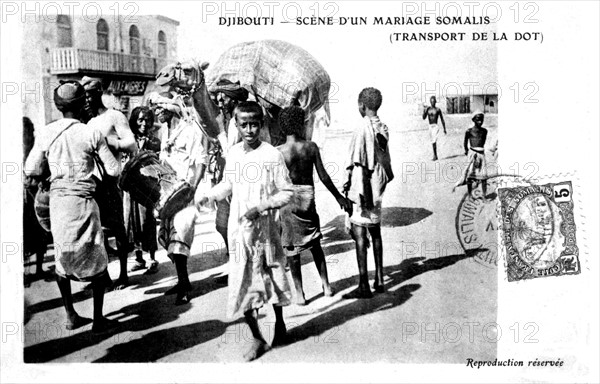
[(425, 112), (111, 165)]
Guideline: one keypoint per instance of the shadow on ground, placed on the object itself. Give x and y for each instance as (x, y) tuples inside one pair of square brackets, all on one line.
[(160, 310), (196, 263), (132, 319), (336, 239), (158, 344), (395, 295)]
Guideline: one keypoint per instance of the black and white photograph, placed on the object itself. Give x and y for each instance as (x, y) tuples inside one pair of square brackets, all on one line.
[(338, 191)]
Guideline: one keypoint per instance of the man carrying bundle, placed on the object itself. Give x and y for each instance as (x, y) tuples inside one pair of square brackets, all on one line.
[(227, 96)]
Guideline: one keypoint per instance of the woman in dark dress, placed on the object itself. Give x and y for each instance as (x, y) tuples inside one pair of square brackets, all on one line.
[(141, 226), (35, 238)]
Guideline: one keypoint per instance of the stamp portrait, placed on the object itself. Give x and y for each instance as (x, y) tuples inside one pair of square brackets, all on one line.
[(538, 227)]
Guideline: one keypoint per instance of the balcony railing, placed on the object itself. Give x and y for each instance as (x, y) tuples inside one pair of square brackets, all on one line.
[(74, 60)]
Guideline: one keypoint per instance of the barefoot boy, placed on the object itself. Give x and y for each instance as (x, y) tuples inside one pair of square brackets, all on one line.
[(433, 113), (369, 171), (475, 141), (301, 226), (259, 183)]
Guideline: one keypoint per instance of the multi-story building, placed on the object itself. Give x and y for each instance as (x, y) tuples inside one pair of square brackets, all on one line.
[(125, 54)]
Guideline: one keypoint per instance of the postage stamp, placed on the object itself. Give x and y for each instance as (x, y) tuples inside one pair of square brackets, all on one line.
[(538, 231)]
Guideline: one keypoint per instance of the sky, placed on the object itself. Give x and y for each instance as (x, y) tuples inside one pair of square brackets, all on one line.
[(355, 56)]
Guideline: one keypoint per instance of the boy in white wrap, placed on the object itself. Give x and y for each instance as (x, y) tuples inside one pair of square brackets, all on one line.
[(259, 183)]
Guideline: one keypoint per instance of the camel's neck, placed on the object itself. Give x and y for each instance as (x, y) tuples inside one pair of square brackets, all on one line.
[(207, 110)]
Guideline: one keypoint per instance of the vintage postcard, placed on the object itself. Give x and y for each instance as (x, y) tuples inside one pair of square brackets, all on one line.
[(299, 191)]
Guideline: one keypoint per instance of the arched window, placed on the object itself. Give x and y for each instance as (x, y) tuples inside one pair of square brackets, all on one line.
[(162, 44), (63, 24), (134, 40), (102, 35)]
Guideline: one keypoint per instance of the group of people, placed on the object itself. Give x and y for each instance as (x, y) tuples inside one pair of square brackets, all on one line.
[(475, 171), (273, 218), (267, 220)]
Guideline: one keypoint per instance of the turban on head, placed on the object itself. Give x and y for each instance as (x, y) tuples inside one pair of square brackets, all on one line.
[(90, 84), (165, 100), (233, 90), (475, 114), (67, 94)]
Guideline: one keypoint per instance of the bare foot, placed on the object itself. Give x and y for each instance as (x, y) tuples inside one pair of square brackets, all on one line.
[(177, 288), (153, 268), (256, 350), (299, 299), (77, 322), (359, 293), (378, 287), (183, 297), (120, 283), (280, 336), (104, 325)]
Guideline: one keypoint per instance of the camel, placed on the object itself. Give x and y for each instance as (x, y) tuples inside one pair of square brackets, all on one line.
[(276, 73), (187, 81)]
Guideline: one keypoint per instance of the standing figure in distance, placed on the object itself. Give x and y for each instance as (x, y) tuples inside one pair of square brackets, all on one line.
[(433, 113), (474, 144)]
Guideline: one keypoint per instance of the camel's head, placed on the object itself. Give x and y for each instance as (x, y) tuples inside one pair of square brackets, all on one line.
[(186, 76)]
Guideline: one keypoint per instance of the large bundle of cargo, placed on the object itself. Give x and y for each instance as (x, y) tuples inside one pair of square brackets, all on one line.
[(278, 74)]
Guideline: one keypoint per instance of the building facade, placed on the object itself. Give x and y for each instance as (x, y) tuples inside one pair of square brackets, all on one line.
[(487, 103), (126, 54)]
